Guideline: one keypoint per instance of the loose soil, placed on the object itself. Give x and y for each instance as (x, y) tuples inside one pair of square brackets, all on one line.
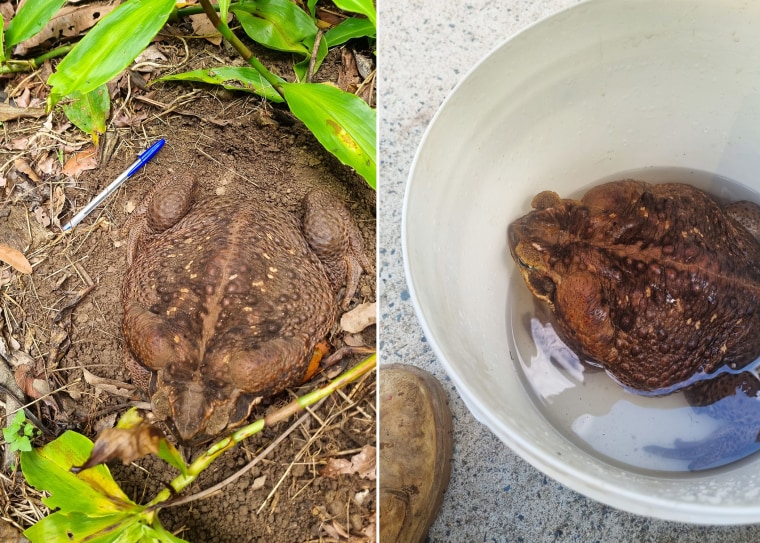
[(66, 315)]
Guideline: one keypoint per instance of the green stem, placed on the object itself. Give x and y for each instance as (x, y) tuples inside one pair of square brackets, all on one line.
[(16, 66), (203, 461), (190, 10), (240, 47)]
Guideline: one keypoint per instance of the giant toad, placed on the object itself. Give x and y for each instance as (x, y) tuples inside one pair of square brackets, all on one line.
[(225, 299), (658, 284)]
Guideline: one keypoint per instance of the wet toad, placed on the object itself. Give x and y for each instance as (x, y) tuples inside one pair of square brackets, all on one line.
[(225, 299), (655, 283)]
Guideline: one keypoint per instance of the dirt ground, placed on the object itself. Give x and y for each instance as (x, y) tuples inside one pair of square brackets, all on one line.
[(64, 319)]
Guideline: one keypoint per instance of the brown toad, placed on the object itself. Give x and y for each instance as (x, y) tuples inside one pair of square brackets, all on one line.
[(655, 283), (225, 299)]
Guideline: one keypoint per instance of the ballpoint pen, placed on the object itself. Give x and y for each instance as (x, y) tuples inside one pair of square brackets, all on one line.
[(142, 159)]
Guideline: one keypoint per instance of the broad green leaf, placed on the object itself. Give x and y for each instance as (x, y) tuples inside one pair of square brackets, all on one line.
[(233, 78), (351, 28), (365, 7), (109, 47), (343, 123), (91, 491), (60, 527), (30, 19), (277, 24), (89, 111)]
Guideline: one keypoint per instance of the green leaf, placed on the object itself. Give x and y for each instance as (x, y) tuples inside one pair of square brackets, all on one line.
[(60, 527), (89, 111), (343, 123), (224, 8), (92, 491), (3, 55), (233, 78), (170, 454), (365, 7), (18, 421), (351, 28), (277, 24), (109, 47), (22, 444), (312, 5), (158, 532), (302, 67), (30, 19), (18, 432)]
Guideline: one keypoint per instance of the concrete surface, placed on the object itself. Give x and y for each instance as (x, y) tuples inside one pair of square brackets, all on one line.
[(425, 48)]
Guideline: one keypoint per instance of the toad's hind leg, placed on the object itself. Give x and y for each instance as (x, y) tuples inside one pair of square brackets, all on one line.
[(166, 203), (140, 375), (335, 238)]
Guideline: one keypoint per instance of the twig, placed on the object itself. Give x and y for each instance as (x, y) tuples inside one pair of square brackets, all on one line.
[(314, 53)]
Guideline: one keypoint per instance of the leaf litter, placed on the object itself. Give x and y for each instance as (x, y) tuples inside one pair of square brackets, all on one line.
[(60, 310)]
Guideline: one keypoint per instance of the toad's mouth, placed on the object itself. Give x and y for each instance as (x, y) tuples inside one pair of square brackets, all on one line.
[(190, 411)]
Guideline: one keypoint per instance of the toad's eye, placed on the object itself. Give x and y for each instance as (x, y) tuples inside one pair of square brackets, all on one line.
[(524, 264)]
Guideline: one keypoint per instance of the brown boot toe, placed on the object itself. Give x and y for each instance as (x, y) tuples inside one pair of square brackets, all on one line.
[(415, 452)]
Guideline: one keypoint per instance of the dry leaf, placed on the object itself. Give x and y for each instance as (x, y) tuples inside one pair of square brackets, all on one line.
[(68, 22), (202, 26), (110, 386), (364, 64), (18, 144), (7, 12), (87, 159), (23, 166), (58, 201), (359, 318), (340, 529), (12, 113), (335, 530), (362, 463), (5, 277), (151, 54), (41, 215), (9, 533), (28, 381), (59, 345), (354, 340), (48, 164), (348, 75), (105, 423), (370, 532), (126, 444), (15, 259), (125, 119)]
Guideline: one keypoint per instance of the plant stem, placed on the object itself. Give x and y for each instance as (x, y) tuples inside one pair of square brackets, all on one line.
[(203, 461), (17, 66), (240, 47)]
